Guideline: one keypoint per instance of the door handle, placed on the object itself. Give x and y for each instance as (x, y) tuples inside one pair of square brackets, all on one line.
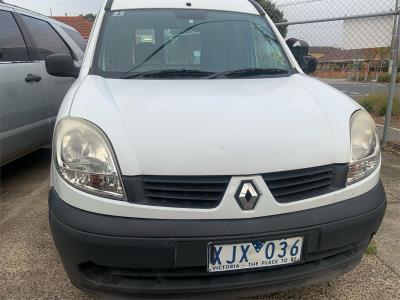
[(32, 78)]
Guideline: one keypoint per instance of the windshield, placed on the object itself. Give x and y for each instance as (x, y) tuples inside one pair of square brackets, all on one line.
[(187, 43)]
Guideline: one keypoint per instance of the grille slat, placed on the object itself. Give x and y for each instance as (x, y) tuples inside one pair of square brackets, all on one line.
[(279, 192), (184, 196), (283, 183), (206, 192), (185, 191), (187, 179), (298, 173), (296, 185), (184, 188)]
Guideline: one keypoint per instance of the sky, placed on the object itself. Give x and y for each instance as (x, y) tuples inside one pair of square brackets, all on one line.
[(293, 9), (60, 7), (320, 34)]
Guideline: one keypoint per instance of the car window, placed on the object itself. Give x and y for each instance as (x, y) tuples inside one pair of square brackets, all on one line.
[(45, 37), (138, 41), (12, 44), (76, 37)]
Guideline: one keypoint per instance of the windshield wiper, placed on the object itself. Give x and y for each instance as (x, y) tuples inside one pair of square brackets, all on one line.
[(249, 72), (169, 73), (150, 56)]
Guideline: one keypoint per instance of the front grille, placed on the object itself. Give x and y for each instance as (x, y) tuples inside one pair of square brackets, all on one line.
[(206, 192), (184, 191), (290, 186)]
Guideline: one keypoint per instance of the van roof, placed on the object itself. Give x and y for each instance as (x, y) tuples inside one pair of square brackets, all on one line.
[(244, 6)]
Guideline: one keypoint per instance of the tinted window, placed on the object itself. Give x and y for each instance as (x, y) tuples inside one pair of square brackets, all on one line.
[(138, 41), (46, 39), (76, 37), (12, 45)]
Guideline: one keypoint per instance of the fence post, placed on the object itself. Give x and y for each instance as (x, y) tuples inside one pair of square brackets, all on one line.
[(393, 78)]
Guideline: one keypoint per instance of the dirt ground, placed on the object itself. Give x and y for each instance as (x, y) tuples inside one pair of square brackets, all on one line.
[(31, 269)]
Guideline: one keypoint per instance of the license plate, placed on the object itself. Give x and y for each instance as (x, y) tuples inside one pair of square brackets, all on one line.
[(256, 254)]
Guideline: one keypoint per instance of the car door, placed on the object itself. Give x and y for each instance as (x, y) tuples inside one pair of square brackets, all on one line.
[(24, 125), (48, 41)]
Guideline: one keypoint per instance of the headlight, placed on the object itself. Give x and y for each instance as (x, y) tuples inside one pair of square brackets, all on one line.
[(365, 148), (84, 158)]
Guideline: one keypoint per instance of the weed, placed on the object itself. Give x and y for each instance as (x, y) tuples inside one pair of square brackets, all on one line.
[(376, 105)]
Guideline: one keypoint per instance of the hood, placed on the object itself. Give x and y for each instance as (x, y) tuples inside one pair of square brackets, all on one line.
[(218, 127)]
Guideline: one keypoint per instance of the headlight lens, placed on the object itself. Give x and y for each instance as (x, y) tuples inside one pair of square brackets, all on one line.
[(365, 148), (84, 158)]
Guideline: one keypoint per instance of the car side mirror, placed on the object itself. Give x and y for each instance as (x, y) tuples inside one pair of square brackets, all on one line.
[(308, 64), (61, 65), (300, 50)]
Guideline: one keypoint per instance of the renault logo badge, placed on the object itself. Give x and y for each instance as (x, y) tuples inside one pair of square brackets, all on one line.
[(247, 195)]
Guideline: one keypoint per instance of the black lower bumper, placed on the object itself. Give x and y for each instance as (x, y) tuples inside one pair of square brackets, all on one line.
[(169, 257)]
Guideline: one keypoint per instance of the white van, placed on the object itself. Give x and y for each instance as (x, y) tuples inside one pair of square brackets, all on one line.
[(193, 156)]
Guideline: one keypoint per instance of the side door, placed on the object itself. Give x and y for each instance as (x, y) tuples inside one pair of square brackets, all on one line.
[(47, 41), (24, 125)]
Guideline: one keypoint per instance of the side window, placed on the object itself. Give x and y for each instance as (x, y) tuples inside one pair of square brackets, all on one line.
[(77, 38), (12, 44), (46, 38)]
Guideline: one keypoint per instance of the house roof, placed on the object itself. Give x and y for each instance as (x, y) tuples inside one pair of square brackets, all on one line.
[(342, 55), (83, 26), (322, 50)]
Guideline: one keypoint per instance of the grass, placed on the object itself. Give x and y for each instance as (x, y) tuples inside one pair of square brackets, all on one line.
[(386, 78), (372, 248), (383, 77), (376, 105)]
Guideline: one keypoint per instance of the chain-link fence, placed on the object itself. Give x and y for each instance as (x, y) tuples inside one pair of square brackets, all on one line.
[(356, 43)]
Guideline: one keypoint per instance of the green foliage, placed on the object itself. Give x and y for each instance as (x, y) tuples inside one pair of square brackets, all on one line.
[(376, 105), (372, 248), (90, 17), (383, 77), (368, 105), (386, 77), (275, 14), (382, 109)]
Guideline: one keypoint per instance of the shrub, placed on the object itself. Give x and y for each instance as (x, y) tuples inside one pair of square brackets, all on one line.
[(382, 77), (385, 77), (368, 105), (376, 105), (372, 248)]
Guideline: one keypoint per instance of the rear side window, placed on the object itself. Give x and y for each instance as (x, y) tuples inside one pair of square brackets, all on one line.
[(46, 38), (12, 44), (76, 37)]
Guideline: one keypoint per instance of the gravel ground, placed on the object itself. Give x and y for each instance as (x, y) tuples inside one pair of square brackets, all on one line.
[(31, 269)]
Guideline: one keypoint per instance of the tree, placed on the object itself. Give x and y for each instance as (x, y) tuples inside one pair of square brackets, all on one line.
[(275, 14), (90, 17)]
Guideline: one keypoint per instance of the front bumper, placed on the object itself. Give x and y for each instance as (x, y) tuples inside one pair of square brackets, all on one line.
[(169, 257)]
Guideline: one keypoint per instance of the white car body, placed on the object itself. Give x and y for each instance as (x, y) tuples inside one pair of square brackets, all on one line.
[(267, 125), (163, 177)]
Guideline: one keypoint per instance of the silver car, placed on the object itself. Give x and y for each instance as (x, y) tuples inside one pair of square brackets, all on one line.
[(29, 97)]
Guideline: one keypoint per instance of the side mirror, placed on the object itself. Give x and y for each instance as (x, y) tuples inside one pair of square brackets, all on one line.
[(298, 47), (308, 64), (61, 65), (300, 50)]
